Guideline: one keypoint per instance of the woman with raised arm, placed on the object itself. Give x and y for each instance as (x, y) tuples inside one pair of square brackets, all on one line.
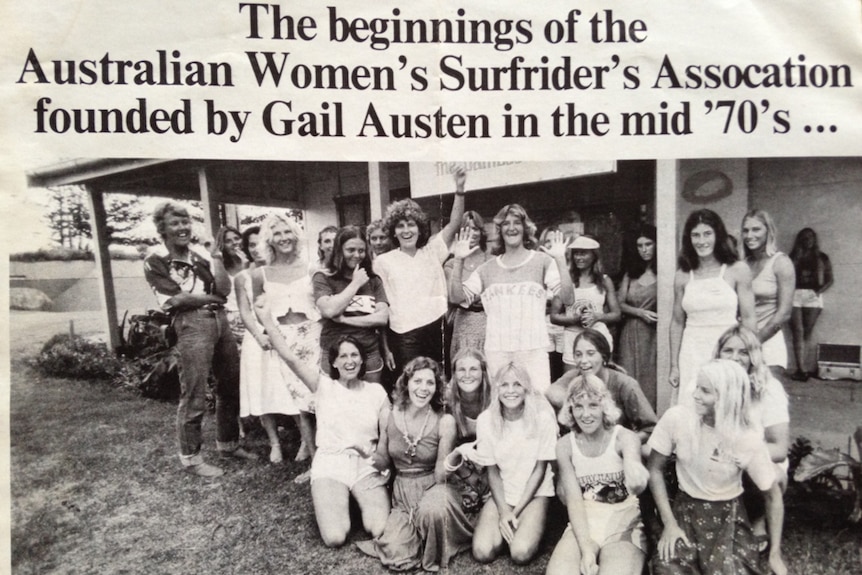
[(638, 296), (711, 289), (415, 438), (813, 277), (706, 531), (468, 324), (515, 439), (513, 288), (348, 411), (413, 277), (351, 299), (595, 304), (600, 469), (773, 282)]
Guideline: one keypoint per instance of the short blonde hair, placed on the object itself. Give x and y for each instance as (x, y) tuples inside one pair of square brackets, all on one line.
[(593, 387)]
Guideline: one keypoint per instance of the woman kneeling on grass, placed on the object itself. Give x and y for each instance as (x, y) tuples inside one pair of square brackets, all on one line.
[(707, 530), (348, 410), (416, 436), (600, 466), (515, 439)]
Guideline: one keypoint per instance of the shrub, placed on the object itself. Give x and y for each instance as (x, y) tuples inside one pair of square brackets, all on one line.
[(65, 355), (53, 254)]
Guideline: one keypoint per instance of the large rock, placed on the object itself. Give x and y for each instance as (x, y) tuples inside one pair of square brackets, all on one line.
[(30, 299)]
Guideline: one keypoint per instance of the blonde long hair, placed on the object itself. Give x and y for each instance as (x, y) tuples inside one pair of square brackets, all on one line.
[(266, 235), (534, 402), (733, 397)]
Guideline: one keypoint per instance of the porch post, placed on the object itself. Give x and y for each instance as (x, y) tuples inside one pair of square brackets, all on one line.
[(211, 219), (378, 188), (667, 184), (103, 263)]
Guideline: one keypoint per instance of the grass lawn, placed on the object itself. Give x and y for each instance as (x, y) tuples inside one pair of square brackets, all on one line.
[(97, 488)]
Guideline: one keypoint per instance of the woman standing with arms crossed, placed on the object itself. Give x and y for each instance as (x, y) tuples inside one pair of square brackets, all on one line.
[(813, 277), (773, 283), (638, 296), (711, 289), (413, 277), (514, 288), (351, 299)]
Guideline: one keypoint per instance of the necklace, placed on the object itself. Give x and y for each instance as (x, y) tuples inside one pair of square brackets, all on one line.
[(413, 443)]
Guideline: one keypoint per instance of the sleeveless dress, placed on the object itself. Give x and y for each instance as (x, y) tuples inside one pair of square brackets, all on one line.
[(254, 399), (400, 546), (585, 298), (710, 306), (448, 512), (637, 349), (765, 288), (285, 390), (613, 514)]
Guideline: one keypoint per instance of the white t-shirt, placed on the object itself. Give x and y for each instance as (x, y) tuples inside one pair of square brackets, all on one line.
[(516, 454), (772, 409), (514, 299), (707, 467), (347, 417), (415, 286)]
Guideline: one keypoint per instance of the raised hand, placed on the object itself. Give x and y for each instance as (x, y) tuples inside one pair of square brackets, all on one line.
[(360, 276), (460, 174), (558, 246), (461, 246)]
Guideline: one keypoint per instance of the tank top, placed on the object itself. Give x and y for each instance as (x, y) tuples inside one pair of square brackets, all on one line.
[(296, 296), (601, 477), (709, 302), (765, 288)]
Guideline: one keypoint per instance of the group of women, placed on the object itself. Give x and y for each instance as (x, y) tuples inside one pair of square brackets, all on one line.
[(439, 467)]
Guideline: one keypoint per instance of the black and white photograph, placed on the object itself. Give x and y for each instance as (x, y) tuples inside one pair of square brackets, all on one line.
[(466, 287), (195, 357)]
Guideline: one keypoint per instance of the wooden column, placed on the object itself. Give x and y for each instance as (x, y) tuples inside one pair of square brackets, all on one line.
[(103, 264), (667, 190), (378, 187), (211, 219)]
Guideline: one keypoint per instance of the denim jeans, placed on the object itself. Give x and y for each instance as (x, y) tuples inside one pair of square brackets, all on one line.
[(205, 343), (426, 341)]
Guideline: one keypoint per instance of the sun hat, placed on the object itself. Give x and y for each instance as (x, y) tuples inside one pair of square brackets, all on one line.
[(584, 243)]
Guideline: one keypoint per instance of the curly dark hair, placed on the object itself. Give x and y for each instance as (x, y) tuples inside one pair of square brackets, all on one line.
[(400, 395), (407, 210), (724, 252), (335, 348)]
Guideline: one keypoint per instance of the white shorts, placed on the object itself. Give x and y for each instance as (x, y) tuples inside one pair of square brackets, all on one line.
[(807, 298), (348, 468), (534, 361)]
